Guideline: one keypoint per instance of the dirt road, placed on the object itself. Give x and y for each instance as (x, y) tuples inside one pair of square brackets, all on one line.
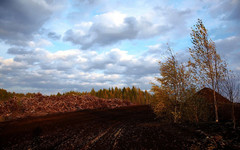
[(132, 127)]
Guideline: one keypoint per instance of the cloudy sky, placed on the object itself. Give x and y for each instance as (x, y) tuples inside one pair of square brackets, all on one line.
[(54, 46)]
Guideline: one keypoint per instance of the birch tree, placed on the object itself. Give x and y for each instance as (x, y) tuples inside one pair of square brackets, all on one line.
[(205, 63), (173, 81), (231, 89)]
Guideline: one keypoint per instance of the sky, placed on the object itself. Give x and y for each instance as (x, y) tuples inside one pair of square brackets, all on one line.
[(52, 46)]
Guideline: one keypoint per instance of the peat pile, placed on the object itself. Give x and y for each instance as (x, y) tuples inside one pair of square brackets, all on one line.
[(39, 105), (224, 105), (207, 94)]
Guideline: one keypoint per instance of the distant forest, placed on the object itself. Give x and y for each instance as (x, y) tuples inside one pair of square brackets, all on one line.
[(134, 95)]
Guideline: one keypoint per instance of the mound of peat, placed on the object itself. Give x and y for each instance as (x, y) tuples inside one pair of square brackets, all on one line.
[(207, 94), (39, 105), (224, 105)]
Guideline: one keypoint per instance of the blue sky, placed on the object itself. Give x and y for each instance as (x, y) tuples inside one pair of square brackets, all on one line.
[(52, 46)]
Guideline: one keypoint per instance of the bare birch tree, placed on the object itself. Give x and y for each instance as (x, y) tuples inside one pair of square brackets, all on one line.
[(231, 89)]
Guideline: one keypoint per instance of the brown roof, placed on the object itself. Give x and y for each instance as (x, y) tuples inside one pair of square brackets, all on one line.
[(207, 94)]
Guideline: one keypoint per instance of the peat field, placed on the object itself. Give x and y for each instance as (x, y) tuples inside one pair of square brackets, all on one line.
[(130, 127)]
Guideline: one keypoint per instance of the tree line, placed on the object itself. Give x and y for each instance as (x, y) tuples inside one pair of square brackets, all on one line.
[(175, 96), (133, 94)]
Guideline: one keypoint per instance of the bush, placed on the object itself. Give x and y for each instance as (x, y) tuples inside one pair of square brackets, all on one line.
[(195, 109), (4, 95), (191, 108)]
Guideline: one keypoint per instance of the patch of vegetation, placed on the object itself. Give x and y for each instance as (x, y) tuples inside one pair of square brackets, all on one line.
[(176, 98)]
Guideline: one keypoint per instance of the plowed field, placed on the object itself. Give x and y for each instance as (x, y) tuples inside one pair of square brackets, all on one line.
[(132, 127)]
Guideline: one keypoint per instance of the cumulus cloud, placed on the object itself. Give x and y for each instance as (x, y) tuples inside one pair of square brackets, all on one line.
[(19, 20), (75, 69), (229, 49), (88, 2), (112, 27), (226, 9), (175, 18), (18, 51), (54, 36), (228, 45), (157, 50), (104, 32), (38, 43)]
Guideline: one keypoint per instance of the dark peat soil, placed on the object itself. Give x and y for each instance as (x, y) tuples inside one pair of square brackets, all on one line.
[(132, 127)]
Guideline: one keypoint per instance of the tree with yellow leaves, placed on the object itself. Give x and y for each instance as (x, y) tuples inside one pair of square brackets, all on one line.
[(206, 65), (174, 81)]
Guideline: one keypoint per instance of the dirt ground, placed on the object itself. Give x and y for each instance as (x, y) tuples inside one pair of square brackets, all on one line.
[(132, 127)]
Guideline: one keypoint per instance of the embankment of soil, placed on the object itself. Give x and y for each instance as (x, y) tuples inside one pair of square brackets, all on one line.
[(39, 105)]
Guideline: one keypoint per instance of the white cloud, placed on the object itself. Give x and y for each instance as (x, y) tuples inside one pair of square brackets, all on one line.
[(228, 44), (229, 49), (78, 69), (39, 43), (112, 27), (111, 19), (18, 21)]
